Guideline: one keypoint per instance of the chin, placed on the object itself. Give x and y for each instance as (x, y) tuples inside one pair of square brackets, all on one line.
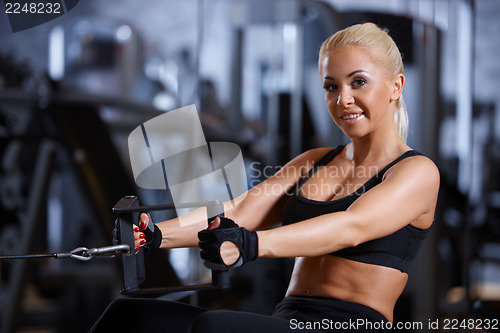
[(354, 134)]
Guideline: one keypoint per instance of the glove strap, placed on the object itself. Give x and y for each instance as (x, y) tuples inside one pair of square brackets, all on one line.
[(153, 237), (252, 242)]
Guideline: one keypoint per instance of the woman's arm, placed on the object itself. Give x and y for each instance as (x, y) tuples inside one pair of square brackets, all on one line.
[(408, 194), (262, 207), (259, 208)]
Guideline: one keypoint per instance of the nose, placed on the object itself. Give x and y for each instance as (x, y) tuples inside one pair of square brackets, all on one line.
[(344, 99)]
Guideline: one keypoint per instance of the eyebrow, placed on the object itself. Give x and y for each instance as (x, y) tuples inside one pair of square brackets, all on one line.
[(348, 75)]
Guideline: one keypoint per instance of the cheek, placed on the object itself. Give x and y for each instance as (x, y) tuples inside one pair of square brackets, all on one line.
[(374, 100), (380, 97), (331, 101), (331, 106)]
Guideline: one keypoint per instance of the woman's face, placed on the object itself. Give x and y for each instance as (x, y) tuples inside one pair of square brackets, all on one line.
[(358, 93)]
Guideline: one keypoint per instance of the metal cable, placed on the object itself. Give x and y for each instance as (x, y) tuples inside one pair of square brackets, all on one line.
[(29, 256), (80, 253)]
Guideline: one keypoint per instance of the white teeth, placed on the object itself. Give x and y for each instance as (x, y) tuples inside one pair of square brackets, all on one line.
[(352, 116)]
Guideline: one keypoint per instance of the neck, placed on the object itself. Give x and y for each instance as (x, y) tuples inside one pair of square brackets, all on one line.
[(371, 149)]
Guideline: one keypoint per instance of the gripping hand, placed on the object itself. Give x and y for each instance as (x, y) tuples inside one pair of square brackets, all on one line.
[(212, 239), (153, 237)]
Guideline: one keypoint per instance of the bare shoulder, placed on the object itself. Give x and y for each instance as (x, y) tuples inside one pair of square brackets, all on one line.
[(313, 154), (417, 170), (309, 157)]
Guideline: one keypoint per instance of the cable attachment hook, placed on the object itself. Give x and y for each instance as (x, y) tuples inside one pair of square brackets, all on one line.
[(109, 251), (81, 253), (85, 254)]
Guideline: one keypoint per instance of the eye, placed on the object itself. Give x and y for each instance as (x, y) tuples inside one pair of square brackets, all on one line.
[(329, 87), (358, 82)]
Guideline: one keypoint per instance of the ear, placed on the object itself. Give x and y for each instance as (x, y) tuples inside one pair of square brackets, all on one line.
[(397, 87)]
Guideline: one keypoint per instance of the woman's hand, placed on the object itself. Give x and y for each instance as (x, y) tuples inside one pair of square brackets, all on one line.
[(223, 242), (229, 252), (139, 235), (147, 234)]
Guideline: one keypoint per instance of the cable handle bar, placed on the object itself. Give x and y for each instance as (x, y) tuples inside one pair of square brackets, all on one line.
[(134, 274), (133, 264)]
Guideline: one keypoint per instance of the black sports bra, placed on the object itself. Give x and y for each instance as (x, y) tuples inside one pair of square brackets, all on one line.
[(396, 250)]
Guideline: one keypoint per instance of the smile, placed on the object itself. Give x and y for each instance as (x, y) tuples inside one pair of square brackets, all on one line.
[(352, 116)]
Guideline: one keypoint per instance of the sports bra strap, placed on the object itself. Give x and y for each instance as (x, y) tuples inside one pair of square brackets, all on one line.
[(335, 151), (329, 156), (408, 153)]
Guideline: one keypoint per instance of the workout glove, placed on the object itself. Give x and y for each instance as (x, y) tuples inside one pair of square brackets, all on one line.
[(211, 241), (152, 232), (153, 237)]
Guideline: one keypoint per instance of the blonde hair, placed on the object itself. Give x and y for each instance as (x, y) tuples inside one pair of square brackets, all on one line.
[(384, 51)]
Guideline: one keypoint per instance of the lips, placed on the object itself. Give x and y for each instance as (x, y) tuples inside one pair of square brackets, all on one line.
[(351, 116)]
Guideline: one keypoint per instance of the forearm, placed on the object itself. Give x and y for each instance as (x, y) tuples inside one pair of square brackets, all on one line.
[(257, 214), (183, 231), (313, 237)]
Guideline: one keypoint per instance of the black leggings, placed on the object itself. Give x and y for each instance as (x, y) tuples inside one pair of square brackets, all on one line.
[(293, 314)]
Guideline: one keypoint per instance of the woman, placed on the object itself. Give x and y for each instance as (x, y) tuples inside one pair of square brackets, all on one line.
[(354, 223)]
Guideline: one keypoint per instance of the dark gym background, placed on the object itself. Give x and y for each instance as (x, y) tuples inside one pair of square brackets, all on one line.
[(72, 89)]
